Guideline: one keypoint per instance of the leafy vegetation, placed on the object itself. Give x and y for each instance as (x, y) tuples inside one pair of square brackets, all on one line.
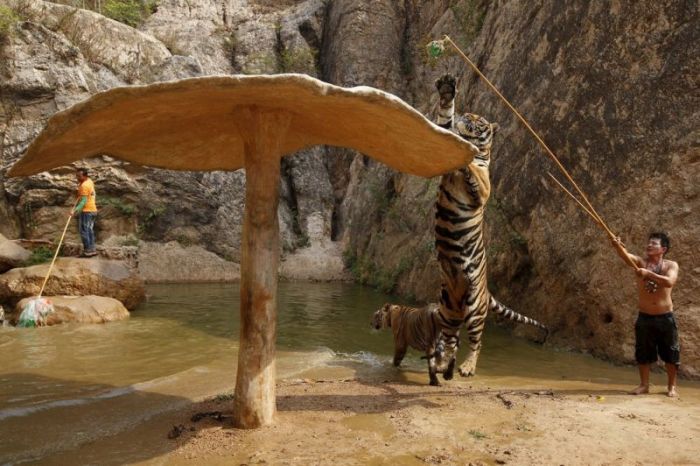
[(8, 18), (149, 217), (365, 271), (40, 255), (124, 208), (298, 60), (129, 240), (130, 12), (470, 14)]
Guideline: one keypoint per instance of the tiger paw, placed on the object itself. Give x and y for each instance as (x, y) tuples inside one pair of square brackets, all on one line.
[(467, 369), (447, 87)]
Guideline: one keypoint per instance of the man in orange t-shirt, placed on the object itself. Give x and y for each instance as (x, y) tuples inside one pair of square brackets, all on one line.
[(87, 210)]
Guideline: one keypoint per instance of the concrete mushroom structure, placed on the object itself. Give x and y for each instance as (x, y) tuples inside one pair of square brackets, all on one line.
[(232, 122)]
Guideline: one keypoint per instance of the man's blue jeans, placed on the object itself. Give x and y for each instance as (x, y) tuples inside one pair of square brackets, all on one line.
[(86, 224)]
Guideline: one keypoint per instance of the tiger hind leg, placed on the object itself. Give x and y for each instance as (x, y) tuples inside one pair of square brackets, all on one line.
[(468, 367), (475, 330)]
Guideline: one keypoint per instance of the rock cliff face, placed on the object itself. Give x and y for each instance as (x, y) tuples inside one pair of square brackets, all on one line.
[(609, 85)]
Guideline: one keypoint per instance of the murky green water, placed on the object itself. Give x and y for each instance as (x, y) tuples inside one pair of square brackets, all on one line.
[(62, 387)]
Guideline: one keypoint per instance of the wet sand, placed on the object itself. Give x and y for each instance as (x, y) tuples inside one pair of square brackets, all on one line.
[(349, 419)]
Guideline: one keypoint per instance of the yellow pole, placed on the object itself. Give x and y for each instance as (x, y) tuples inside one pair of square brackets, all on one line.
[(53, 261)]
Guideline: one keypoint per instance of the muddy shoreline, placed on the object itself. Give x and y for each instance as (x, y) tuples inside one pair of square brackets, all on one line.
[(347, 418)]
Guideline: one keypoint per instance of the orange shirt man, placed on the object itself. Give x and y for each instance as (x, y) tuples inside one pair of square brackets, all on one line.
[(86, 209)]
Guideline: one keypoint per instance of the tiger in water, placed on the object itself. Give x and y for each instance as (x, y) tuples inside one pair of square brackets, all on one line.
[(463, 193), (419, 329)]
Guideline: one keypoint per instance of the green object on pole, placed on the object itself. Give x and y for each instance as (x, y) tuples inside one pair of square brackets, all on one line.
[(436, 48)]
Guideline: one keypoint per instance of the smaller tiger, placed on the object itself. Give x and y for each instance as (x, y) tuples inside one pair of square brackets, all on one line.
[(419, 329)]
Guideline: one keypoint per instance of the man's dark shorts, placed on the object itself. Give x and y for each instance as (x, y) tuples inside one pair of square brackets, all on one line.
[(657, 336)]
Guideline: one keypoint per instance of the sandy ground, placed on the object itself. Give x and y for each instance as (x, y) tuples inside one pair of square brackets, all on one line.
[(351, 420)]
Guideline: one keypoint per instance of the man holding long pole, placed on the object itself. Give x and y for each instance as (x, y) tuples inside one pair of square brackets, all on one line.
[(656, 333), (87, 210)]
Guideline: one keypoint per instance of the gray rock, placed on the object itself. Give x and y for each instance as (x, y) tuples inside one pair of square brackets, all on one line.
[(11, 254), (171, 262)]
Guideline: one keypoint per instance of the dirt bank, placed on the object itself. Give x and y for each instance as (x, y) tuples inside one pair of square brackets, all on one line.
[(404, 421)]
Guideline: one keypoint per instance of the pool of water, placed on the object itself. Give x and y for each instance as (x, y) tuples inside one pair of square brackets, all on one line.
[(65, 386)]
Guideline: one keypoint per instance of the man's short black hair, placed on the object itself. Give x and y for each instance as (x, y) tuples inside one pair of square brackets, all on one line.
[(83, 171), (663, 239)]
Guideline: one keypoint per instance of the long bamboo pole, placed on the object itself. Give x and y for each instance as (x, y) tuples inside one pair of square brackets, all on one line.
[(589, 206), (585, 209), (55, 255)]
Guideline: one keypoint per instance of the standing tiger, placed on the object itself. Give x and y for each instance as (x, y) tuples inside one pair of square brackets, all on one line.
[(463, 193), (419, 329)]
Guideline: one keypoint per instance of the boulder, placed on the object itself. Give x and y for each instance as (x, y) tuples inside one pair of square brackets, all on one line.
[(82, 309), (11, 254), (322, 261), (76, 277), (171, 262)]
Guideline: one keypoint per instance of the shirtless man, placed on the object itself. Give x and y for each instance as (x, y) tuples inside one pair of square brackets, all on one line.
[(656, 332)]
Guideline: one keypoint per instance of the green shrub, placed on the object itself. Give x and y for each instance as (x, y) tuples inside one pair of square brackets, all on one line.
[(366, 272), (299, 60), (8, 18), (470, 14), (129, 240), (148, 217), (130, 12), (125, 209), (39, 256)]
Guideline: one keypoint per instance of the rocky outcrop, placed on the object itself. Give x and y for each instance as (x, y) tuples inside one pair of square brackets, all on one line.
[(171, 262), (318, 262), (75, 277), (11, 254), (77, 309), (49, 64)]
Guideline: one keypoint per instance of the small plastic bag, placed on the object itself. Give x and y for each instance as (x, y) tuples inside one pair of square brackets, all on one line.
[(34, 313)]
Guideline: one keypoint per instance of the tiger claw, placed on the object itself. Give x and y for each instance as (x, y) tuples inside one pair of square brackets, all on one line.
[(447, 87), (467, 369), (446, 79)]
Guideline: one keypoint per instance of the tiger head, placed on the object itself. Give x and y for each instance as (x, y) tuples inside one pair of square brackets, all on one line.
[(477, 130), (382, 317)]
